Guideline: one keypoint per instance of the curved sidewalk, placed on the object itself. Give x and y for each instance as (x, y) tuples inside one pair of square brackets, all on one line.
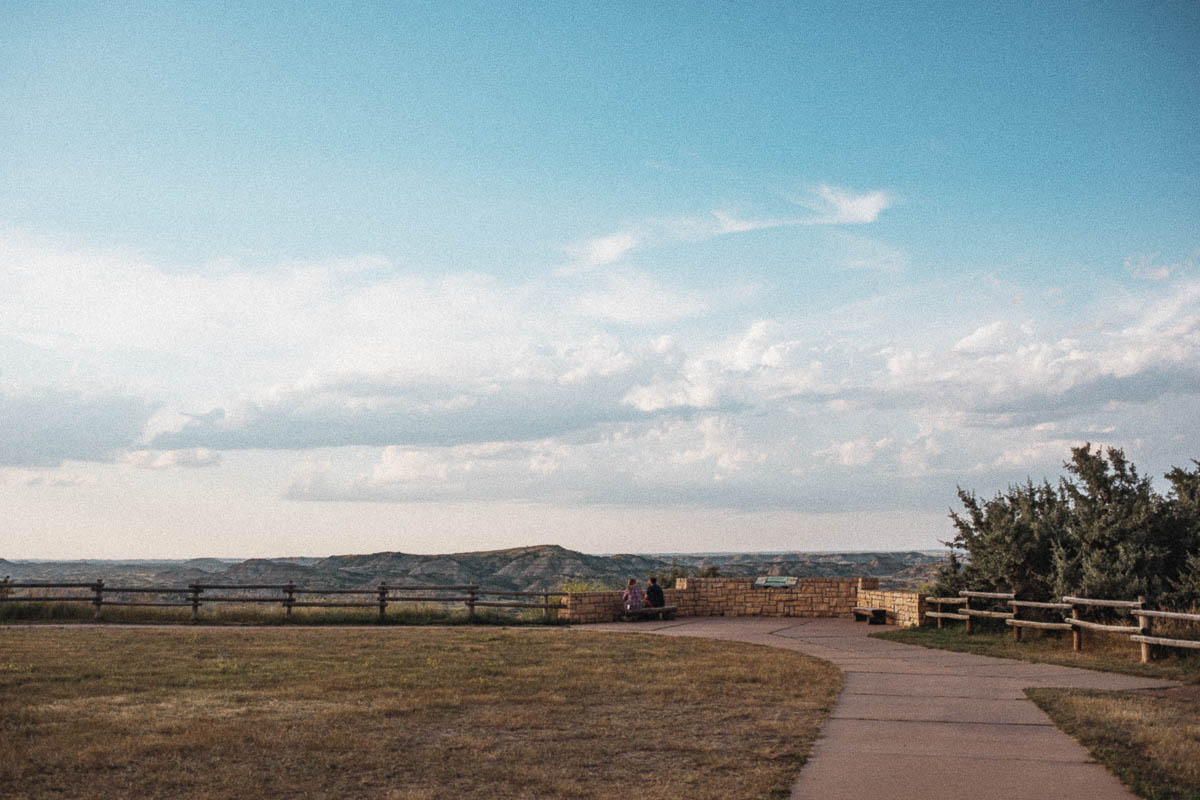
[(927, 724)]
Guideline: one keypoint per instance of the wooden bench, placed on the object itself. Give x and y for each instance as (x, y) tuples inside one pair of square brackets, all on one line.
[(873, 616), (650, 612)]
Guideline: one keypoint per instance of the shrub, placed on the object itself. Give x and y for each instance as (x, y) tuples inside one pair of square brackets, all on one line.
[(1102, 532)]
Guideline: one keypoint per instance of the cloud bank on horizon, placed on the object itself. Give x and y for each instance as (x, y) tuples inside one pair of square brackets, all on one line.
[(739, 330)]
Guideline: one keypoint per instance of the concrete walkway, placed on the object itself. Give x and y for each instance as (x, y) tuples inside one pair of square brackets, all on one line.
[(927, 724)]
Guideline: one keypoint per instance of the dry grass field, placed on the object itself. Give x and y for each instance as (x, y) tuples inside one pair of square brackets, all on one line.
[(1101, 651), (1150, 739), (406, 714)]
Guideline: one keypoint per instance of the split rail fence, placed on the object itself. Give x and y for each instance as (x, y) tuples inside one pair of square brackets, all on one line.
[(1141, 633), (288, 595)]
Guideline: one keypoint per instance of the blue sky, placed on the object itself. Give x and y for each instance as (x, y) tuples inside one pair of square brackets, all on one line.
[(312, 278)]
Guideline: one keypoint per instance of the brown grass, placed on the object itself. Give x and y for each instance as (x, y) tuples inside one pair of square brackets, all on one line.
[(1150, 739), (1101, 651), (406, 714)]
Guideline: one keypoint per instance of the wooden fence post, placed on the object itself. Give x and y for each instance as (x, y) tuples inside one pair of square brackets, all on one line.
[(1016, 628), (546, 610), (1146, 624), (382, 601), (966, 611), (195, 602), (290, 600), (1076, 631), (939, 619), (472, 591)]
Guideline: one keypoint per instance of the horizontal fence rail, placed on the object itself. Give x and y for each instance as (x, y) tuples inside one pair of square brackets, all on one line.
[(1147, 642), (287, 595), (969, 612), (940, 615), (1141, 633)]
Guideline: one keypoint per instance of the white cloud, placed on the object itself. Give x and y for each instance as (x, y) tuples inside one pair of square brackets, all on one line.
[(600, 356), (719, 444), (830, 205), (609, 386), (607, 249), (669, 461), (994, 337), (728, 223), (855, 453), (1147, 267), (674, 394), (837, 206), (190, 458), (632, 298), (399, 465)]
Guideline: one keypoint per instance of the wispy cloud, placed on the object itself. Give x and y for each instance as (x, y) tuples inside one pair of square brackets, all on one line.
[(837, 206), (830, 205), (1147, 267), (62, 477)]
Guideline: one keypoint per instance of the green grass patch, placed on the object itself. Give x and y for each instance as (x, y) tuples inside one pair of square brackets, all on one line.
[(1149, 739), (400, 713), (1104, 652)]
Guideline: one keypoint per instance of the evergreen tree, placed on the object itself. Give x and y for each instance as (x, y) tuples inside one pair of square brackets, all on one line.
[(1119, 527), (1184, 509), (1102, 532), (1011, 540)]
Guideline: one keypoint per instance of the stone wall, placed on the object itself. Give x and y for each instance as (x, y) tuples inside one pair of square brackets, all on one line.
[(591, 607), (904, 608), (735, 597), (738, 597)]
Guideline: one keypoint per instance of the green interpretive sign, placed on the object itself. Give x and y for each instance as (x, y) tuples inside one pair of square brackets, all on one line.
[(775, 582)]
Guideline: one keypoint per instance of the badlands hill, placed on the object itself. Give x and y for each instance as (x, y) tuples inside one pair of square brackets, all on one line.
[(536, 568)]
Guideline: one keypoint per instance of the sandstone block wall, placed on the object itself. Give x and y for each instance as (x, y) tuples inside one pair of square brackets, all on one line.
[(904, 608), (583, 607), (591, 607), (733, 597)]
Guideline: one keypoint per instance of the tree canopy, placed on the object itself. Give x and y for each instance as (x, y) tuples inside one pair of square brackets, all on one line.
[(1103, 531)]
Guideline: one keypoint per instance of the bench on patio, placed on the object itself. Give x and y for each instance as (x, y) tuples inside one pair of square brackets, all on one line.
[(873, 616), (650, 612)]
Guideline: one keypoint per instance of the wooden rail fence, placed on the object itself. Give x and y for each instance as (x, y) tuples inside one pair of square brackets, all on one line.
[(288, 595), (1141, 633)]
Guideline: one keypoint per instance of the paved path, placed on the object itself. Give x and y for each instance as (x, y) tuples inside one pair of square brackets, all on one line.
[(927, 724)]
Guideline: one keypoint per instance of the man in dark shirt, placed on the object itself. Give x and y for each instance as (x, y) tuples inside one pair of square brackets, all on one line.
[(654, 594)]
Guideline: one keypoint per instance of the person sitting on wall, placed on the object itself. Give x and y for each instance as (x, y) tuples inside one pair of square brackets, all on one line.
[(632, 597), (654, 594)]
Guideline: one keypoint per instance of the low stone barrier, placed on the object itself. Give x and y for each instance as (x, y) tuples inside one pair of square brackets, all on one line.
[(733, 597), (583, 607), (904, 608)]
